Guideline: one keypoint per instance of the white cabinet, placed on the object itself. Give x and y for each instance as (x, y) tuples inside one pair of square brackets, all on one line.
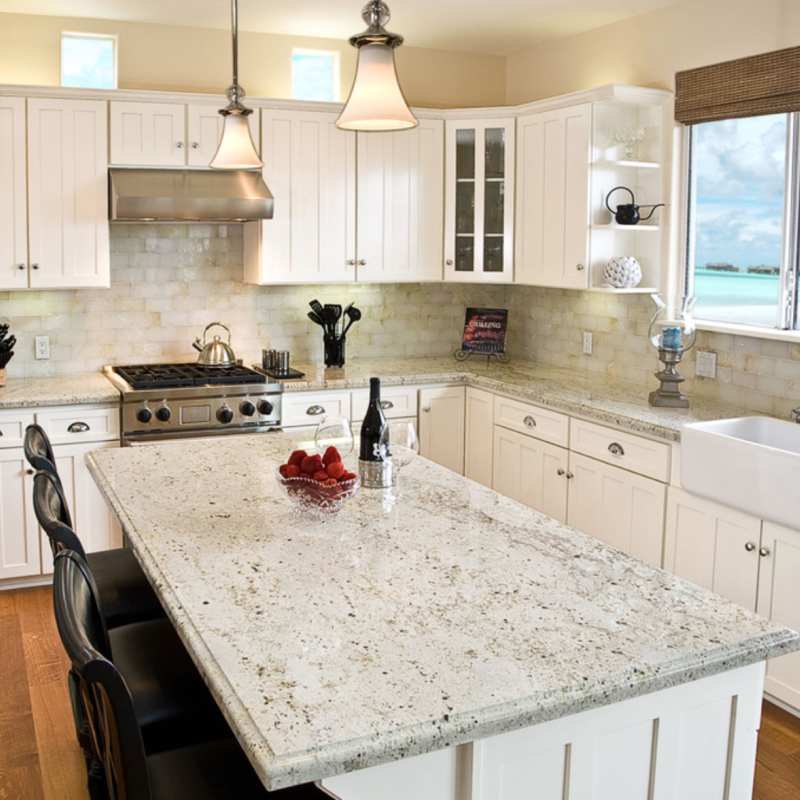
[(148, 134), (310, 408), (441, 426), (618, 507), (13, 195), (397, 402), (205, 131), (553, 178), (310, 167), (400, 204), (779, 600), (478, 436), (68, 193), (479, 201), (19, 536), (531, 471)]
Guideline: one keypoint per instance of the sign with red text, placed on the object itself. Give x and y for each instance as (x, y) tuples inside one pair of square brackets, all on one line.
[(485, 330)]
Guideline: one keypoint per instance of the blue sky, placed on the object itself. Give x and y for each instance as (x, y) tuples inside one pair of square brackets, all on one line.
[(739, 169)]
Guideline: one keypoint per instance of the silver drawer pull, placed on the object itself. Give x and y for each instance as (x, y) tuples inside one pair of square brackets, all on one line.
[(530, 422), (616, 449), (750, 546), (386, 404), (315, 411), (78, 427)]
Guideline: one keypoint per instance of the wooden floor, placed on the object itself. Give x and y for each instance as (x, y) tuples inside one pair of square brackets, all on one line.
[(40, 760)]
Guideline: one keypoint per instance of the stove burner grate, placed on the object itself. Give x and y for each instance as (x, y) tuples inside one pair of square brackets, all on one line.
[(174, 376)]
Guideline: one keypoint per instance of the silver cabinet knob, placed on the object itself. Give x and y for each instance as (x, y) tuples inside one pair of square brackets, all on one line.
[(179, 145), (616, 449), (570, 476), (315, 411), (426, 409), (20, 266), (351, 262), (561, 472), (449, 262), (195, 145), (529, 422), (580, 267), (34, 266), (362, 262), (29, 472), (386, 404), (750, 546), (764, 552)]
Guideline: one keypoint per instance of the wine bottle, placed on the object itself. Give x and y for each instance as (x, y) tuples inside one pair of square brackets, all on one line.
[(374, 425)]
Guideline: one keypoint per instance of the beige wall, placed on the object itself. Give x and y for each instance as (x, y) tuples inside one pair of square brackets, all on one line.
[(198, 59), (647, 50)]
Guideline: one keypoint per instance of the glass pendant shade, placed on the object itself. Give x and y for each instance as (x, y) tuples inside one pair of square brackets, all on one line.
[(236, 149)]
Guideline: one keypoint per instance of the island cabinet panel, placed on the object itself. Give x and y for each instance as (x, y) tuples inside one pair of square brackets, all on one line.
[(441, 426), (779, 600), (479, 435), (19, 540), (618, 507), (531, 471), (713, 546)]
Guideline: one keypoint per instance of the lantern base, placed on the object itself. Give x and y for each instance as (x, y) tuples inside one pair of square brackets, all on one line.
[(668, 394)]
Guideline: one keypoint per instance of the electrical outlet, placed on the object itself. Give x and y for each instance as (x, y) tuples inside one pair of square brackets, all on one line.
[(588, 343), (706, 364), (42, 348)]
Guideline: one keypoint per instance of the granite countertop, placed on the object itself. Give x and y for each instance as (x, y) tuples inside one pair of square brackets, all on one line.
[(584, 395), (398, 628), (80, 389)]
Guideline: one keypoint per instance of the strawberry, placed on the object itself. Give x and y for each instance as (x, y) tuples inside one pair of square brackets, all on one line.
[(320, 476), (331, 455), (330, 482), (297, 457), (292, 471), (335, 469), (346, 476), (311, 464), (283, 469)]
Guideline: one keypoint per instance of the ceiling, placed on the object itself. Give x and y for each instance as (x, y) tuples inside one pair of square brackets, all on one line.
[(499, 26)]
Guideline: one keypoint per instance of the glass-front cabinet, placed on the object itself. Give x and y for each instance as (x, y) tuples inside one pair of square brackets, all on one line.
[(479, 225)]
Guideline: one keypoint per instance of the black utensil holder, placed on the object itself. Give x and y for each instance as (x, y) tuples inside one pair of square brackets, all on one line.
[(334, 351)]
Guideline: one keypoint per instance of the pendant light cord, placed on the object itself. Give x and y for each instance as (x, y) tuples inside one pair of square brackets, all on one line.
[(235, 40)]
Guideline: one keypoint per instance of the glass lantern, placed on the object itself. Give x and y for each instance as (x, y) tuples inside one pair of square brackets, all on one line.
[(672, 336)]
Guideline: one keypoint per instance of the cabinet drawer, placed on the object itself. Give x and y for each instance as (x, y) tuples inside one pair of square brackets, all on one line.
[(397, 402), (310, 408), (12, 427), (549, 426), (620, 449), (75, 424)]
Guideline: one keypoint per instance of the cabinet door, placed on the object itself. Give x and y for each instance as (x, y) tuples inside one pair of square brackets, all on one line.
[(479, 197), (553, 195), (95, 523), (309, 165), (148, 134), (68, 193), (13, 195), (205, 132), (441, 426), (531, 471), (479, 436), (713, 546), (620, 508), (19, 539), (779, 600), (401, 203)]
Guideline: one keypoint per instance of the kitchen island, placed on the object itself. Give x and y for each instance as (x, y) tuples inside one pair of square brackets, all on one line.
[(444, 643)]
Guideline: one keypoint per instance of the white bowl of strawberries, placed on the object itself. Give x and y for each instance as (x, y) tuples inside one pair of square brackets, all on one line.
[(317, 482)]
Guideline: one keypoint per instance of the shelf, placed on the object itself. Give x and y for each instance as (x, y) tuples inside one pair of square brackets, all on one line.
[(627, 228), (612, 290), (629, 164)]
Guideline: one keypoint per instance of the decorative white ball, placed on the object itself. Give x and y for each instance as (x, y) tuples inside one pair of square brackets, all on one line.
[(622, 272)]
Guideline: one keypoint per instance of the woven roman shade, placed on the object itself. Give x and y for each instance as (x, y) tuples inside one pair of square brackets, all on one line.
[(746, 87)]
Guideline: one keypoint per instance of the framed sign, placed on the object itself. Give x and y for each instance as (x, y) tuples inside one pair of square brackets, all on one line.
[(485, 331)]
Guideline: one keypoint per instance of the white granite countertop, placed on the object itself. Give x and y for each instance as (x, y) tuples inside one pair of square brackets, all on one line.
[(393, 630), (80, 389), (592, 397)]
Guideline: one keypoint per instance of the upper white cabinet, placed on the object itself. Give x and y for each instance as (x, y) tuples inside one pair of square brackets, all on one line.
[(310, 167), (205, 131), (68, 193), (148, 134), (13, 195), (552, 232), (441, 426), (479, 201), (400, 204)]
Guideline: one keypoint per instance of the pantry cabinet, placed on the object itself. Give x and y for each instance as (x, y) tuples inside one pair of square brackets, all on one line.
[(441, 426), (13, 195), (148, 134), (19, 532), (479, 201), (479, 436)]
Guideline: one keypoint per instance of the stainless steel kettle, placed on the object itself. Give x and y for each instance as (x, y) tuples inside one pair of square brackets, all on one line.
[(215, 353)]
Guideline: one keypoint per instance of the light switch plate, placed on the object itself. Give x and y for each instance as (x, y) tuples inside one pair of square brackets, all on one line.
[(588, 343), (42, 345), (706, 364)]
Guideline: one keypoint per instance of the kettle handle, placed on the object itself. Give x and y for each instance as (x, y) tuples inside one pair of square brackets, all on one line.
[(216, 325), (633, 198), (652, 210)]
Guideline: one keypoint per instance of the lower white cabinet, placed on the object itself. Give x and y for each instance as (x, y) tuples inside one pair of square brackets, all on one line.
[(19, 533), (441, 426), (619, 507), (478, 436), (531, 471)]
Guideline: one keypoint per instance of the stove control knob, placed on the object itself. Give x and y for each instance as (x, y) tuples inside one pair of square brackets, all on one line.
[(163, 414), (225, 415), (247, 408), (265, 407), (144, 415)]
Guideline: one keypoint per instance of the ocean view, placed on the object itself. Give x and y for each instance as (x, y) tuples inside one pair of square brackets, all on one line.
[(739, 297)]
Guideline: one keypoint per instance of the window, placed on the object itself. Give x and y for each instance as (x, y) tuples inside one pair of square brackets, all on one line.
[(89, 60), (315, 75), (743, 223)]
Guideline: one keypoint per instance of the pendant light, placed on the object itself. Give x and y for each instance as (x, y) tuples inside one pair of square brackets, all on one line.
[(376, 101), (236, 149)]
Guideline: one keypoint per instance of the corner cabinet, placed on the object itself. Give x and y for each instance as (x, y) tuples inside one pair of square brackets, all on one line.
[(479, 201)]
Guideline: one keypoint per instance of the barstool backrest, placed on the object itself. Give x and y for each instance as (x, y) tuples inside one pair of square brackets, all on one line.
[(39, 454), (51, 510)]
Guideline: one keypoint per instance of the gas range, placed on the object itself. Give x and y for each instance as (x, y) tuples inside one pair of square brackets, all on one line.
[(168, 401)]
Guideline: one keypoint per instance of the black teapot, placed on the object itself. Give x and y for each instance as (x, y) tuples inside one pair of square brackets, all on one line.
[(628, 214)]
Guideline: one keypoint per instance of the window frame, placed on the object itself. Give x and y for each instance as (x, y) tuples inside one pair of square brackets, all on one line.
[(113, 37), (788, 322), (336, 77)]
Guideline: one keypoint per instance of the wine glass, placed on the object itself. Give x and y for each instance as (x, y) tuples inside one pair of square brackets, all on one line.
[(399, 442), (334, 432)]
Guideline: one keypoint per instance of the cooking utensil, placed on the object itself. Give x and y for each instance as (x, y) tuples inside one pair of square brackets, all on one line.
[(8, 344), (354, 315), (317, 307), (215, 353), (316, 319)]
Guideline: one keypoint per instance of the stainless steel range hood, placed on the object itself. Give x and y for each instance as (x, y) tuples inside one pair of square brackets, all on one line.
[(184, 195)]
